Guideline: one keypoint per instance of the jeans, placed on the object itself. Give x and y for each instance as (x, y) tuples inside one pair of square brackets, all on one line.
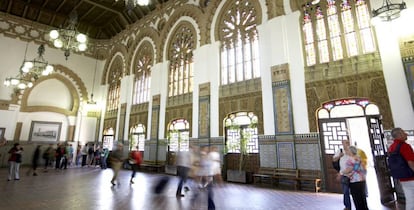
[(408, 188), (14, 170), (183, 174), (347, 196)]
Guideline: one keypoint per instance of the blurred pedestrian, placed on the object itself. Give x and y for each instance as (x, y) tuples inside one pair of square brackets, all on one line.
[(183, 163), (35, 161), (135, 160), (117, 160)]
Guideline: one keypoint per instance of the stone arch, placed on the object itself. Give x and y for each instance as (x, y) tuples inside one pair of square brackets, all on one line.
[(72, 111), (151, 36), (190, 11), (116, 59), (118, 50)]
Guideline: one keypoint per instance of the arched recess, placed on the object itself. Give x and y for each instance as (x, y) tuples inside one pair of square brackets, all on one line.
[(184, 12), (117, 62), (118, 52), (70, 80), (148, 34)]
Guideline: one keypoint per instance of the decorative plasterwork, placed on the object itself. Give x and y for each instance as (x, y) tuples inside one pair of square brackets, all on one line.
[(280, 72), (19, 28), (275, 8)]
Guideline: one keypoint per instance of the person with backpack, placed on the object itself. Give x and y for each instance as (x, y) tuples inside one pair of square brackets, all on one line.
[(407, 165)]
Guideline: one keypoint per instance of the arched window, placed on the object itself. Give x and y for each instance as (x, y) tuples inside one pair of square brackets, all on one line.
[(137, 137), (108, 139), (240, 43), (143, 64), (241, 133), (178, 135), (348, 25), (181, 48), (114, 81)]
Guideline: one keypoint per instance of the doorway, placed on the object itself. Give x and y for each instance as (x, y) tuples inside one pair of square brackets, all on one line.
[(359, 121)]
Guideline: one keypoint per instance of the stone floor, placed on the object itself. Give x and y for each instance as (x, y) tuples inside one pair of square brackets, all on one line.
[(90, 189)]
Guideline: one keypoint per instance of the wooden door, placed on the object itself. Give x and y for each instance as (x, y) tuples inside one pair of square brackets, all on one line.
[(331, 134), (380, 159)]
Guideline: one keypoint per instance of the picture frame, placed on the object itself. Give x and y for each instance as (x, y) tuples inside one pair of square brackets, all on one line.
[(45, 131)]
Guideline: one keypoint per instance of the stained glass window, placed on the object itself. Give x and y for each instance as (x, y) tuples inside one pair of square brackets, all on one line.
[(181, 60), (365, 31), (309, 41), (241, 133), (115, 77), (240, 46), (142, 82), (321, 33), (336, 24), (178, 135), (137, 137)]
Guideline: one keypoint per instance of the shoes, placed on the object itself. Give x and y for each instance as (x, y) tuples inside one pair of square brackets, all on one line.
[(132, 182), (186, 189), (16, 179), (113, 183), (179, 195)]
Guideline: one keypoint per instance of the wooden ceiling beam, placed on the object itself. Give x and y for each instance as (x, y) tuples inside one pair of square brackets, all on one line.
[(87, 13), (123, 19)]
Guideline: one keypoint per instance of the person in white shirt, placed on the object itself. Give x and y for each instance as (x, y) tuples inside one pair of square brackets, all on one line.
[(214, 157), (342, 156)]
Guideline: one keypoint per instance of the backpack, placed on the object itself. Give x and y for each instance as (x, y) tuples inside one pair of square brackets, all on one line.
[(398, 165)]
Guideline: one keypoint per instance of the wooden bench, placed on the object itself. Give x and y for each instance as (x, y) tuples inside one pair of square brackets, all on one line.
[(152, 166), (310, 179), (286, 176), (263, 174)]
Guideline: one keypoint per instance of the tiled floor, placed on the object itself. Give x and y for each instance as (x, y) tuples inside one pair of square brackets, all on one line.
[(90, 189)]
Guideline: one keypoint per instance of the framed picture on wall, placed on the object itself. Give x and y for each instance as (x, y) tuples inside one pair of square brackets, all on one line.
[(45, 131)]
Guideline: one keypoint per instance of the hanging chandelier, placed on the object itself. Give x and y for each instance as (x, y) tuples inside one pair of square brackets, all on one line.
[(130, 4), (69, 38), (30, 71), (388, 11)]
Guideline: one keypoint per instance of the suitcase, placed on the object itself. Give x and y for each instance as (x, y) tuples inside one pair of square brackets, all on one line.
[(161, 184)]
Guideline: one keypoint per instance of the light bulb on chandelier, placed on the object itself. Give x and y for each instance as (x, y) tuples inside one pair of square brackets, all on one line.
[(69, 38)]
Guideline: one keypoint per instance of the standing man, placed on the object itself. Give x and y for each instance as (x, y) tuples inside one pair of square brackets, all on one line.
[(400, 137), (343, 157)]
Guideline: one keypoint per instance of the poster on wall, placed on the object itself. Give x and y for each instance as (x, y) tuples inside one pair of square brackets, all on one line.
[(45, 131)]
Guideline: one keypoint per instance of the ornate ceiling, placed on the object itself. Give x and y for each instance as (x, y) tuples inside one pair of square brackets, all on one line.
[(99, 19)]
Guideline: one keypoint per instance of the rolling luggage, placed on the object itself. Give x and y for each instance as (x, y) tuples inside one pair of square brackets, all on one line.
[(161, 184)]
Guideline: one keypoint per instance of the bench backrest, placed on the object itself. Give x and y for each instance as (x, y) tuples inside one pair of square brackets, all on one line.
[(265, 170), (286, 172), (307, 173)]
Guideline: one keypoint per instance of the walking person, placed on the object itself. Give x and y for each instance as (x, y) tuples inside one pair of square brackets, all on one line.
[(183, 163), (35, 161), (117, 160), (14, 162), (406, 151), (342, 156), (135, 160)]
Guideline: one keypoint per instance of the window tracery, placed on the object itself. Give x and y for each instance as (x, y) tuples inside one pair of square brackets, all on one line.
[(183, 43), (142, 81), (239, 49)]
